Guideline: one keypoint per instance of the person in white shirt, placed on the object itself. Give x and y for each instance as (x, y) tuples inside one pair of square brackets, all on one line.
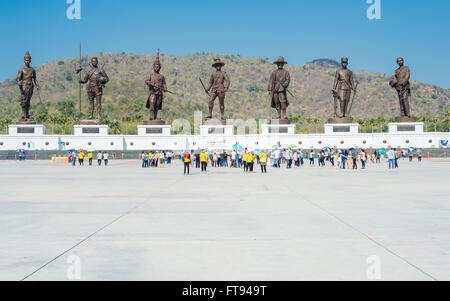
[(363, 159), (233, 159), (106, 158), (311, 158), (99, 158), (339, 160), (289, 158), (277, 158), (391, 158)]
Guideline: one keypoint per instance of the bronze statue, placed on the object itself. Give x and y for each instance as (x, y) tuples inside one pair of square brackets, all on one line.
[(26, 79), (219, 83), (97, 79), (400, 82), (157, 86), (342, 89), (278, 88)]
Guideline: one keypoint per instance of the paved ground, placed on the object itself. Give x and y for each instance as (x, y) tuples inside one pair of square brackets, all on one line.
[(126, 223)]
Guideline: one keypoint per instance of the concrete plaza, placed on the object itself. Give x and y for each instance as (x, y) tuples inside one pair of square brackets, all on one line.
[(128, 223)]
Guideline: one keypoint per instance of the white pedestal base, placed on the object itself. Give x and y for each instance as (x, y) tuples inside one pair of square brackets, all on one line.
[(405, 127), (26, 129), (341, 128), (224, 130), (90, 130), (150, 130), (278, 129)]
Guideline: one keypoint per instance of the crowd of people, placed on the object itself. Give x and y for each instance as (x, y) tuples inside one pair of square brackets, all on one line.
[(81, 155), (156, 158), (339, 158)]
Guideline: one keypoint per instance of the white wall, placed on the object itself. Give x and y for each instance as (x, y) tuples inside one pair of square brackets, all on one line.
[(182, 142)]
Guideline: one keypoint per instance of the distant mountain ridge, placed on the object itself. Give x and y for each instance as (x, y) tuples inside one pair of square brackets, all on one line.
[(126, 93)]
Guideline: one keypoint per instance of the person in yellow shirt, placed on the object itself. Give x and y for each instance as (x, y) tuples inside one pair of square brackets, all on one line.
[(263, 162), (186, 161), (204, 160), (81, 158), (150, 159), (245, 160), (250, 161), (90, 156), (157, 157)]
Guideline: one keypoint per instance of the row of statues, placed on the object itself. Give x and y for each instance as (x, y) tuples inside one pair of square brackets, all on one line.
[(343, 91)]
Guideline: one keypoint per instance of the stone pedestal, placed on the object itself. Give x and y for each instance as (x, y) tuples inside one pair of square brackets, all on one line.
[(278, 129), (341, 128), (149, 130), (405, 127), (26, 129), (224, 130), (90, 130)]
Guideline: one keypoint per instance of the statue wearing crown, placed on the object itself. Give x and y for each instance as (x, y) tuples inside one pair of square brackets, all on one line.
[(157, 86), (26, 80)]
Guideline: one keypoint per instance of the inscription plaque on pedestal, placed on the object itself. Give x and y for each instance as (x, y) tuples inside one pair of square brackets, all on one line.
[(91, 131), (341, 129), (154, 130), (274, 129), (84, 129), (226, 130), (216, 131), (154, 127), (27, 130), (278, 130), (406, 128)]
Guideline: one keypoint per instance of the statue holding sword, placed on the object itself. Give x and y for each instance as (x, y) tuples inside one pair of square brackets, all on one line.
[(157, 87), (219, 84), (342, 90), (278, 88)]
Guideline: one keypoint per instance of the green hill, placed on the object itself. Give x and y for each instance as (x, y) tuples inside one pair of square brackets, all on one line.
[(126, 93)]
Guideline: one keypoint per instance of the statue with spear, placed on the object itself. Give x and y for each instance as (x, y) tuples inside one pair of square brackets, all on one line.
[(97, 79)]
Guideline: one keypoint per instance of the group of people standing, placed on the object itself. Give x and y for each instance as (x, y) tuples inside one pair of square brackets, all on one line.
[(339, 158), (81, 155), (234, 159), (21, 155), (155, 159), (394, 155)]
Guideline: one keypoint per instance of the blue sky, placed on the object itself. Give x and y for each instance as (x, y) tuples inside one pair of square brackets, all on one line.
[(301, 30)]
